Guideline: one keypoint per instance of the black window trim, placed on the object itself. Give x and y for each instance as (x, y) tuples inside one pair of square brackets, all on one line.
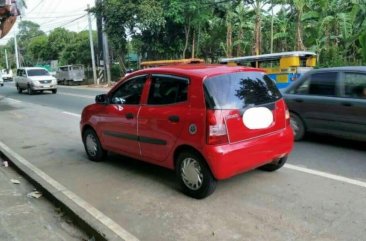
[(124, 82), (180, 78)]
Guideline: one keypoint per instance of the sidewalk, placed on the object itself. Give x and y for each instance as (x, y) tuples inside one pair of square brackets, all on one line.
[(28, 218)]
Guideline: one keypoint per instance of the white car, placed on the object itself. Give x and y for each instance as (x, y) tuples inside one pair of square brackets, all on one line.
[(7, 74), (35, 79)]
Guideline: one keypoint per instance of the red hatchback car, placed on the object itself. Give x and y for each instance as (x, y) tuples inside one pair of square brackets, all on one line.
[(207, 122)]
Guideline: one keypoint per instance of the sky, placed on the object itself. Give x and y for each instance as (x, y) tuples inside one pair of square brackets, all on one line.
[(50, 14)]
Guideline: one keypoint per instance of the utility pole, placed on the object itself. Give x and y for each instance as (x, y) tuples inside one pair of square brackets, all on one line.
[(6, 59), (16, 51), (92, 47), (107, 66), (100, 55)]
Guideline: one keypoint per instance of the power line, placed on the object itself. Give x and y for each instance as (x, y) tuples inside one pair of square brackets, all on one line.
[(35, 6)]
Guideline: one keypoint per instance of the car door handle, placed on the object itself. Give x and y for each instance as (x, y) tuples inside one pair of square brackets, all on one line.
[(299, 100), (129, 116), (174, 118), (347, 104)]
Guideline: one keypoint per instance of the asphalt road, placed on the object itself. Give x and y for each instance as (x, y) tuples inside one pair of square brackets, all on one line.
[(320, 195), (69, 99)]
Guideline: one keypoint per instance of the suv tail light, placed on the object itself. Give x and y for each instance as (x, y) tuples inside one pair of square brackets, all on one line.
[(216, 128)]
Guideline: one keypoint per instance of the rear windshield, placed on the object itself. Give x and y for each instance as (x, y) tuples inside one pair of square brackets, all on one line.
[(37, 72), (240, 90)]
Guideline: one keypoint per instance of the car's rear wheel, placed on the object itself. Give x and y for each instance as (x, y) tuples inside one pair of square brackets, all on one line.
[(92, 146), (275, 165), (298, 126), (194, 175)]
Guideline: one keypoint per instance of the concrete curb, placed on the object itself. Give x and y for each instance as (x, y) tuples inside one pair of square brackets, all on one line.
[(88, 218)]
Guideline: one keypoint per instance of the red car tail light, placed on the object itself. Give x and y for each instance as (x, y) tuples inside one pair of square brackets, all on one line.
[(216, 128), (287, 116)]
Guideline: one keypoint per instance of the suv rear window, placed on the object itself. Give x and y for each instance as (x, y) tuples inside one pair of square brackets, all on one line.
[(240, 90)]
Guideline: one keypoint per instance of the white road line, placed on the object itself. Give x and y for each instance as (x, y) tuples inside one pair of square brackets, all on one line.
[(327, 175), (72, 114), (14, 100), (98, 215), (76, 95)]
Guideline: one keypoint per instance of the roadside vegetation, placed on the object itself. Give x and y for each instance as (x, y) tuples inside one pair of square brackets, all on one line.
[(208, 29)]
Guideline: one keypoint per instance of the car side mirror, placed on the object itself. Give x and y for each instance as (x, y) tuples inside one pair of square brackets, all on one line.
[(101, 99)]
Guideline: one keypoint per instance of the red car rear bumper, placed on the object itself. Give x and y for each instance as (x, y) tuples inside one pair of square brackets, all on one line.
[(231, 159)]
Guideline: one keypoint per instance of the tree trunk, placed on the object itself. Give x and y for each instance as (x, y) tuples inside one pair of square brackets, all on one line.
[(193, 43), (187, 29), (299, 43), (239, 51), (257, 32), (229, 41)]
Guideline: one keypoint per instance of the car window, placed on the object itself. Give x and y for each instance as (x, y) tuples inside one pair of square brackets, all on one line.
[(323, 84), (129, 93), (303, 88), (239, 90), (37, 72), (355, 85), (167, 89)]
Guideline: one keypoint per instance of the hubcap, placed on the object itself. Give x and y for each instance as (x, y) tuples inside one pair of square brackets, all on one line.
[(191, 174), (91, 145)]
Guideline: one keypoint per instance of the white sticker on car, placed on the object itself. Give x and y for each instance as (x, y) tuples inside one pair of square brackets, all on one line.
[(258, 118)]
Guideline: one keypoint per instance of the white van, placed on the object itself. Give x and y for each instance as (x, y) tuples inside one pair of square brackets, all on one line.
[(7, 74), (70, 74)]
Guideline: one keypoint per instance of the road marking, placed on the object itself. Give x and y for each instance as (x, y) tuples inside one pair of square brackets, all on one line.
[(76, 95), (72, 114), (98, 215), (327, 175), (14, 100)]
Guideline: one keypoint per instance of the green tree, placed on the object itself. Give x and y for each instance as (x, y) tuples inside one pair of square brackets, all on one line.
[(58, 40)]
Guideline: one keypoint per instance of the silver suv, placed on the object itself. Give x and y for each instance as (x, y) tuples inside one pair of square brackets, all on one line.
[(35, 79)]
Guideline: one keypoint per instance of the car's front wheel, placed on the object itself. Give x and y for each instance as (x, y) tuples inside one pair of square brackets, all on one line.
[(29, 90), (54, 91), (19, 89), (92, 146), (194, 175)]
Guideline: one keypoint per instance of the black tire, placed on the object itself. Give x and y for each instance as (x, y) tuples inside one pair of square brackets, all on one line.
[(197, 168), (92, 146), (275, 165), (19, 89), (2, 84), (54, 91), (29, 90), (298, 127)]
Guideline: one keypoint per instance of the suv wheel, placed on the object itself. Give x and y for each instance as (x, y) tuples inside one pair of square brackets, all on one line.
[(194, 175), (298, 126), (92, 146), (19, 89), (29, 90), (275, 165), (54, 91)]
